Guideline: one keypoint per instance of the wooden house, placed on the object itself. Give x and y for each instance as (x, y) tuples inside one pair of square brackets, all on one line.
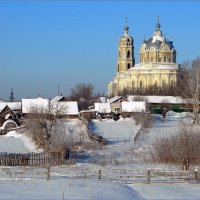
[(8, 118), (115, 103)]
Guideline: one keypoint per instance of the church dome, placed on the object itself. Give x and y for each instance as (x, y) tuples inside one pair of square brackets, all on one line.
[(158, 40), (126, 28), (157, 48)]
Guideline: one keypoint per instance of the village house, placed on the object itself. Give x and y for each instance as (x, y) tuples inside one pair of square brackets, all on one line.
[(57, 106)]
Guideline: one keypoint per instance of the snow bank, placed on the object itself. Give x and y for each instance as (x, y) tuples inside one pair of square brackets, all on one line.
[(122, 129), (67, 189), (14, 142)]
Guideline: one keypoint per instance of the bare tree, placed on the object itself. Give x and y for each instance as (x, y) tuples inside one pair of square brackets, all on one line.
[(83, 93), (45, 127), (82, 90), (189, 86)]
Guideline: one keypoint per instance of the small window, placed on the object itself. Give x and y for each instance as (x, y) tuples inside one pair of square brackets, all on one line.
[(133, 84), (128, 66), (164, 58), (141, 85), (163, 84), (117, 109), (128, 54), (172, 84)]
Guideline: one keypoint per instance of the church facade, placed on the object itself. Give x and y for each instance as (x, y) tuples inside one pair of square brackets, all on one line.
[(157, 68)]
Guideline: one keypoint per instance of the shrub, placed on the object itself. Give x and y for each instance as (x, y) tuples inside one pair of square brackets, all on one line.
[(183, 145)]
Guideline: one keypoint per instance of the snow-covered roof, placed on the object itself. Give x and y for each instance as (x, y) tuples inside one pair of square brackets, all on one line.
[(14, 105), (114, 99), (102, 107), (28, 105), (65, 107), (158, 99), (138, 67), (87, 111), (57, 98), (11, 105), (103, 99), (44, 105), (169, 67), (154, 66), (2, 106), (133, 106)]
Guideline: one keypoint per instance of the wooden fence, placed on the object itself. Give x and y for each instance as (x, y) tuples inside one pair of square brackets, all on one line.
[(129, 176), (31, 159), (24, 173), (124, 176), (97, 138)]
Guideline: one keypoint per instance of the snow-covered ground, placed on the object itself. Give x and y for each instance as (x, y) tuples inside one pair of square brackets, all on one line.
[(71, 189), (124, 150), (14, 142)]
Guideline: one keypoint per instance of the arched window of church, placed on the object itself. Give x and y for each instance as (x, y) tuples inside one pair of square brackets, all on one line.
[(169, 60), (156, 84), (128, 54), (133, 84), (129, 66), (128, 42), (155, 87), (141, 85), (172, 84), (163, 84), (164, 58)]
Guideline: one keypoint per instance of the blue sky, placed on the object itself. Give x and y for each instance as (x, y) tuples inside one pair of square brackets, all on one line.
[(46, 45)]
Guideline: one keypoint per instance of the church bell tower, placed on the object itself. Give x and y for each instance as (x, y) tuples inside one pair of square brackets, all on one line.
[(125, 58)]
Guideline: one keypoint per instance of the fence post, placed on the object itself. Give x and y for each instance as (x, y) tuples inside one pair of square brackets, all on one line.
[(48, 172), (99, 173), (148, 176), (195, 175)]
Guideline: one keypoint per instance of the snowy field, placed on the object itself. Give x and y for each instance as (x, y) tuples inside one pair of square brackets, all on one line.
[(66, 189), (122, 152)]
